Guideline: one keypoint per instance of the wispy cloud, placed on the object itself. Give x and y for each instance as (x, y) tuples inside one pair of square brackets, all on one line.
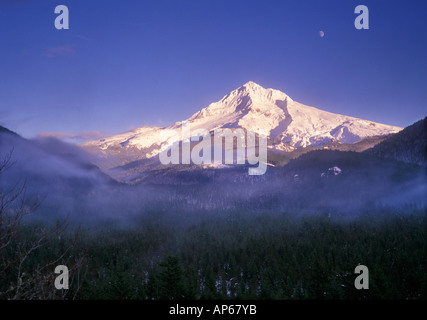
[(82, 136), (66, 50)]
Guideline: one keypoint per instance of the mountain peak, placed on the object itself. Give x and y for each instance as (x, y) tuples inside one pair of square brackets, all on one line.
[(252, 85), (256, 91)]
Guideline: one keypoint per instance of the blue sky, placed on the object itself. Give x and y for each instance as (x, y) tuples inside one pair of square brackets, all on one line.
[(125, 64)]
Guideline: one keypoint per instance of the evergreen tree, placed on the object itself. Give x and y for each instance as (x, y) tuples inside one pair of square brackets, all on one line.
[(170, 279)]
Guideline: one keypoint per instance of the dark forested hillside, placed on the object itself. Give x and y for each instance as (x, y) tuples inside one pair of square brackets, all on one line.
[(6, 130), (408, 145)]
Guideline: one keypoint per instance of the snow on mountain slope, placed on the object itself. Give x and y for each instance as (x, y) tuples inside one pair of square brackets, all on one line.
[(287, 124)]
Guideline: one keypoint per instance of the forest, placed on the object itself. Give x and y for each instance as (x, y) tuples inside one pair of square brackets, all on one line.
[(231, 255)]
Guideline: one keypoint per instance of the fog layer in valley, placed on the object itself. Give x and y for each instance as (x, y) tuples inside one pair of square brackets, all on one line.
[(70, 187)]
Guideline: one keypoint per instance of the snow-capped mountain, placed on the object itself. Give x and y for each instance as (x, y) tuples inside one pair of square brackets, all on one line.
[(289, 125)]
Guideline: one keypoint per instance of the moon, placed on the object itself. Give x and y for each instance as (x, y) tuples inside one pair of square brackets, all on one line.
[(321, 34)]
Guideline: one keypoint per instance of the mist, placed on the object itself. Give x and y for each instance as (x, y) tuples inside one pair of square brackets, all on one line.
[(70, 187)]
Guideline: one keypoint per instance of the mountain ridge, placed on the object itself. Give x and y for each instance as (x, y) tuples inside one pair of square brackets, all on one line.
[(408, 145)]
